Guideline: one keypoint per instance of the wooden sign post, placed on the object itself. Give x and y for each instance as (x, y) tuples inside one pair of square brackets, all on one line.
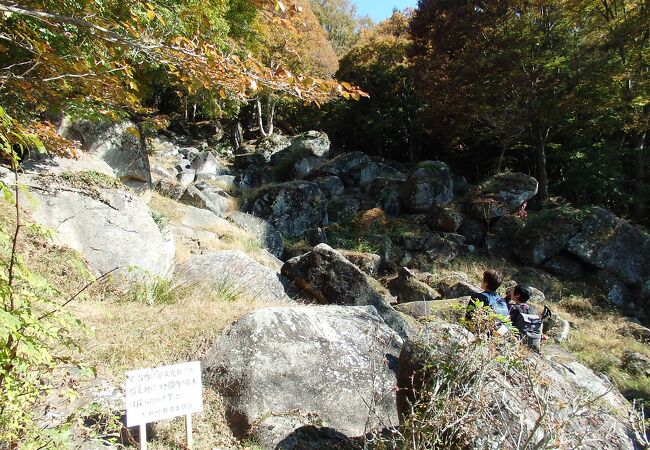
[(163, 393)]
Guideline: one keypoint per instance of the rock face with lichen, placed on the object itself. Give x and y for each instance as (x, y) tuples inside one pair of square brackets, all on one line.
[(282, 368), (329, 278), (292, 208), (120, 145), (612, 244), (510, 408), (111, 227), (431, 183), (501, 195)]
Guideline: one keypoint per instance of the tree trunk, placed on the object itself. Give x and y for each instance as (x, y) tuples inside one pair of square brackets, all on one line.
[(260, 119), (505, 145), (270, 116), (540, 163), (639, 158), (236, 136)]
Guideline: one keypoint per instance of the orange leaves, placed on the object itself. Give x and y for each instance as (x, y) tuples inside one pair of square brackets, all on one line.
[(92, 58), (46, 133)]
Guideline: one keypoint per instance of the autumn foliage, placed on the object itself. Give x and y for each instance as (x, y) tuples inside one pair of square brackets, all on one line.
[(104, 56)]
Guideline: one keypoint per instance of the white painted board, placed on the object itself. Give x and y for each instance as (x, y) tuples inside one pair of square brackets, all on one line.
[(163, 393)]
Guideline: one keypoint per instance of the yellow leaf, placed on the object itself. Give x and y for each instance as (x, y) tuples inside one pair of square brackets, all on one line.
[(133, 86), (346, 85), (151, 15), (222, 93)]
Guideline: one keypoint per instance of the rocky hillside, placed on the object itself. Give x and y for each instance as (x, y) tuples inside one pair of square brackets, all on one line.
[(322, 292)]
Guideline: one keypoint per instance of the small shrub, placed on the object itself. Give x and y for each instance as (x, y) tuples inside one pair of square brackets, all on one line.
[(159, 218), (89, 179)]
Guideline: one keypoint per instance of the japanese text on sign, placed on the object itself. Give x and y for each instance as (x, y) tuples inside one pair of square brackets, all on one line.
[(163, 393)]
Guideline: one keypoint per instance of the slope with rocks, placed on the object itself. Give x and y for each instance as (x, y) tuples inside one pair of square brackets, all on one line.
[(304, 281)]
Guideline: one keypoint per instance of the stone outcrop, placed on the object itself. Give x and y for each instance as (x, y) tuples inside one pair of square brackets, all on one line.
[(266, 234), (354, 168), (282, 368), (612, 244), (207, 196), (120, 145), (293, 207), (431, 183), (407, 288), (111, 227), (501, 195), (329, 278), (232, 273), (566, 379)]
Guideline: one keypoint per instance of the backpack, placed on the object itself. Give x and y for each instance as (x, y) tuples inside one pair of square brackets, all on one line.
[(498, 304), (529, 325)]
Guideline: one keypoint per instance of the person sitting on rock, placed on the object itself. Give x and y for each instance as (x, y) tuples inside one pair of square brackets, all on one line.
[(519, 295), (524, 317), (492, 280)]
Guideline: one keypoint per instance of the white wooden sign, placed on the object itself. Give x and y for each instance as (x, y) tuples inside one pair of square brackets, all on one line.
[(163, 393)]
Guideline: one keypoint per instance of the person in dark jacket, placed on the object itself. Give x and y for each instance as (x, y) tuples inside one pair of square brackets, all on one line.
[(519, 295)]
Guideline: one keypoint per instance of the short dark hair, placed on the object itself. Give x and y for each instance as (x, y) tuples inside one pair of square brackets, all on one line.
[(523, 292), (493, 279)]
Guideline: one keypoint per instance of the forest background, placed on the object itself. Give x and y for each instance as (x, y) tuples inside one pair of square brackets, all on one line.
[(559, 89)]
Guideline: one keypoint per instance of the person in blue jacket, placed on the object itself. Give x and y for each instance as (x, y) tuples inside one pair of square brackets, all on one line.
[(492, 280)]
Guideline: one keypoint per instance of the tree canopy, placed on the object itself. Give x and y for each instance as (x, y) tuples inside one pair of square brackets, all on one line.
[(106, 55), (554, 88)]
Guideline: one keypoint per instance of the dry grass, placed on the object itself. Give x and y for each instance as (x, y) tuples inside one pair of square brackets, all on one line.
[(209, 429), (123, 332), (597, 340), (167, 207), (223, 235), (134, 335)]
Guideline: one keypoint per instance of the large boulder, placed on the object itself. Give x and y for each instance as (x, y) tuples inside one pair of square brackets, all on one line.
[(232, 273), (283, 368), (316, 143), (567, 395), (407, 288), (545, 234), (354, 168), (329, 278), (293, 207), (254, 176), (208, 196), (267, 235), (270, 145), (455, 285), (444, 219), (565, 267), (431, 183), (306, 153), (369, 263), (331, 186), (501, 195), (111, 227), (612, 244), (343, 208), (208, 167), (120, 145), (503, 240), (474, 231)]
